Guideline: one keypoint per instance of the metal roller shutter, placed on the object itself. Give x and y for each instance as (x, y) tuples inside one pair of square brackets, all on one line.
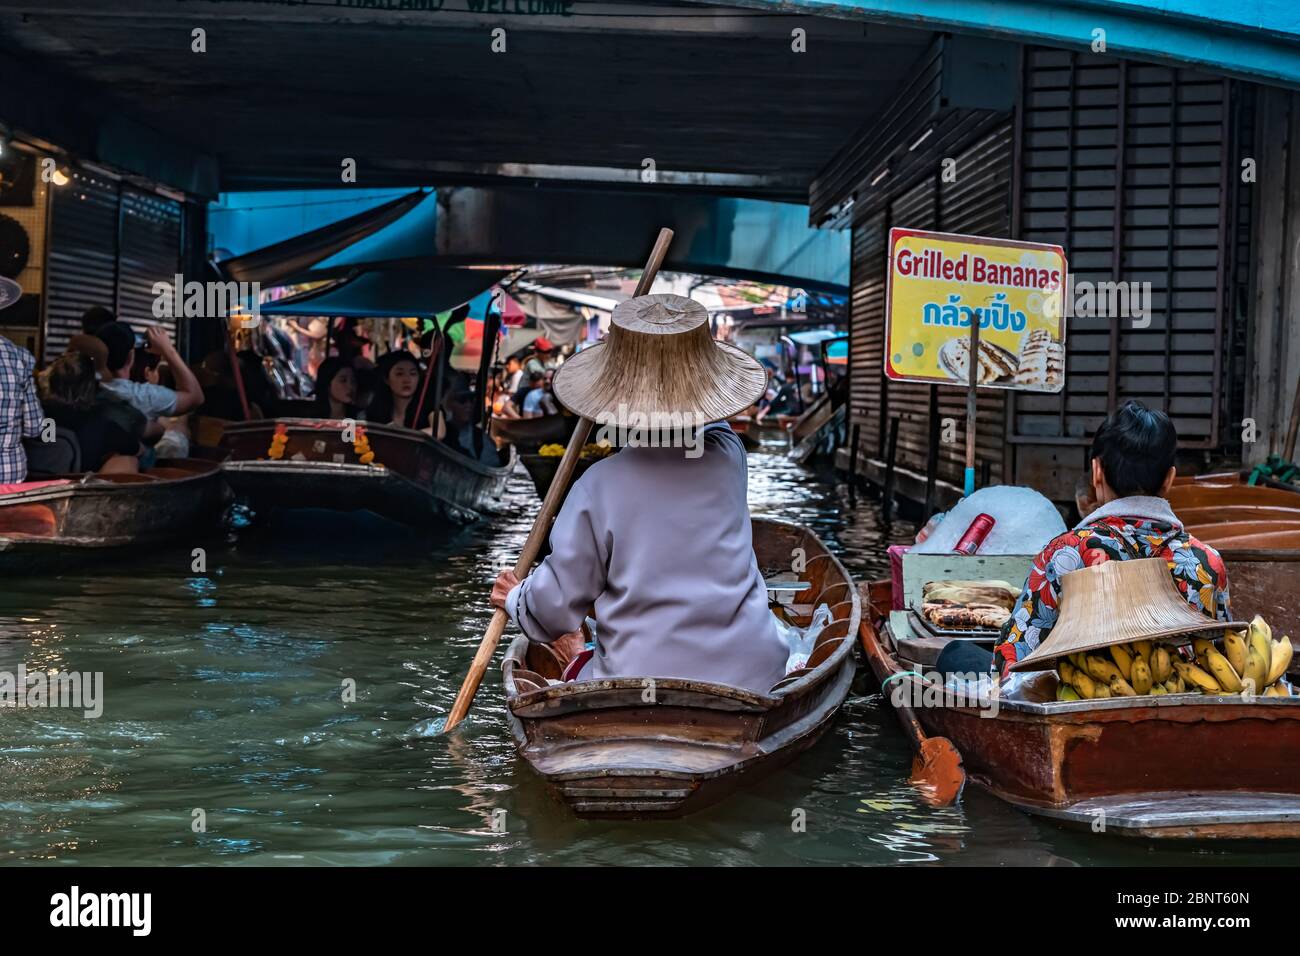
[(977, 203), (109, 243), (867, 337), (1126, 166), (150, 252), (82, 261)]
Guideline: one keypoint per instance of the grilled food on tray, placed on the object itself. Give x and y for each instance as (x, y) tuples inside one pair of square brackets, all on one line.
[(1000, 593), (968, 604), (948, 614)]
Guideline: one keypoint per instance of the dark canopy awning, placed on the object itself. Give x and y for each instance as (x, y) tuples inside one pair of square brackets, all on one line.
[(390, 293), (278, 263)]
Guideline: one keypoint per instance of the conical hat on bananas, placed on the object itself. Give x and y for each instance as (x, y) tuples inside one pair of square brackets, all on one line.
[(1118, 602)]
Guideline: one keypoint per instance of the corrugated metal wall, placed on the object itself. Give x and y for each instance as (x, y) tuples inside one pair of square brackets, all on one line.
[(1127, 166), (1130, 168), (109, 243), (976, 203)]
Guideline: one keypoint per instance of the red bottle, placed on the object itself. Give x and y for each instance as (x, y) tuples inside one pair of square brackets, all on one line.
[(979, 530)]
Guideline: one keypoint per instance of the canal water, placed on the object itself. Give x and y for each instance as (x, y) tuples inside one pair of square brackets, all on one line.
[(225, 737)]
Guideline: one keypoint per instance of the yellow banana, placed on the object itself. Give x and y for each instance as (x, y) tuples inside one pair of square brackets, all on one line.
[(1141, 676), (1066, 671), (1085, 685), (1123, 658), (1176, 684), (1161, 669), (1201, 646), (1066, 692), (1279, 659), (1195, 677), (1102, 690), (1157, 689), (1218, 665), (1278, 690), (1119, 687), (1256, 671), (1261, 639), (1077, 661), (1100, 669), (1260, 626), (1234, 649)]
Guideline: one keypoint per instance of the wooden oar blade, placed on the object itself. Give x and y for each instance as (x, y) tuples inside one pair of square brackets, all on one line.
[(937, 772)]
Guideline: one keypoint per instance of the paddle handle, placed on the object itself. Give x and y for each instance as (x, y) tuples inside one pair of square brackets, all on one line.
[(542, 526)]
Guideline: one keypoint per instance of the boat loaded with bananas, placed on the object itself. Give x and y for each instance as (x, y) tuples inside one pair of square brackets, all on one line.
[(399, 473), (1136, 716), (47, 523), (543, 464), (608, 753)]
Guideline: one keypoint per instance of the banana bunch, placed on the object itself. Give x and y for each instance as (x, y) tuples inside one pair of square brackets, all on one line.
[(1251, 662)]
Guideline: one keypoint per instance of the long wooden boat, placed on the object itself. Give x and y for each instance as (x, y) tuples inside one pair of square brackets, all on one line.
[(70, 516), (1257, 531), (1182, 766), (529, 434), (414, 479), (818, 431), (607, 753)]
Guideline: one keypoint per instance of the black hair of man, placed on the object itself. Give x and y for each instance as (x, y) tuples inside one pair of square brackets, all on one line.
[(120, 339), (1136, 446), (95, 318)]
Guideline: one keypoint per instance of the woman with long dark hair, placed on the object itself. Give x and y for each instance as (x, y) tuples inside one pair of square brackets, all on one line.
[(108, 430), (336, 389), (397, 393)]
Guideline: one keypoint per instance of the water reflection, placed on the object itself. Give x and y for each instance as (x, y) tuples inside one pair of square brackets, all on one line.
[(225, 694)]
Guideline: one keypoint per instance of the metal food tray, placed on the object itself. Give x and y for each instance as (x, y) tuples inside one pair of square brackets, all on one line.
[(923, 625)]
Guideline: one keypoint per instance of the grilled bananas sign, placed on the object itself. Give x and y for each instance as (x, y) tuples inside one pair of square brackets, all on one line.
[(939, 284)]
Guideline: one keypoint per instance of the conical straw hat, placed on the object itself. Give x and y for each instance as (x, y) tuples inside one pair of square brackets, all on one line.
[(1117, 602), (660, 359)]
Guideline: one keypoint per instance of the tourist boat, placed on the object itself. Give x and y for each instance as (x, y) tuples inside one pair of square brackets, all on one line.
[(530, 434), (1182, 766), (607, 753), (413, 479), (58, 519)]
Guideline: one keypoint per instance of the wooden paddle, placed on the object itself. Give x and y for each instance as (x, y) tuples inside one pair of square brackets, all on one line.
[(542, 526), (937, 767)]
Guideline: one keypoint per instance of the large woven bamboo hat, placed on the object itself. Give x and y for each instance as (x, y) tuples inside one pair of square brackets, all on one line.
[(1117, 602), (660, 359)]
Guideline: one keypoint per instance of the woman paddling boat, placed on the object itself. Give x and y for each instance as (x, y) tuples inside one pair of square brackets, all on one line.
[(658, 539)]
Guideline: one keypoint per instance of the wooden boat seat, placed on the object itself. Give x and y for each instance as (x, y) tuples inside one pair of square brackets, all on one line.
[(1232, 529), (1209, 496), (1286, 539)]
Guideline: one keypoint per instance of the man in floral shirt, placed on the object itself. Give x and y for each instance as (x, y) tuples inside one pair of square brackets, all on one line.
[(1132, 471)]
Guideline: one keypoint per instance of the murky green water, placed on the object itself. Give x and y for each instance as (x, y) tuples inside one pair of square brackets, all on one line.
[(224, 695)]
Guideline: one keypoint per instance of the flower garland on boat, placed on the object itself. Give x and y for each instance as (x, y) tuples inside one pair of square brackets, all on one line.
[(278, 442), (361, 445)]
